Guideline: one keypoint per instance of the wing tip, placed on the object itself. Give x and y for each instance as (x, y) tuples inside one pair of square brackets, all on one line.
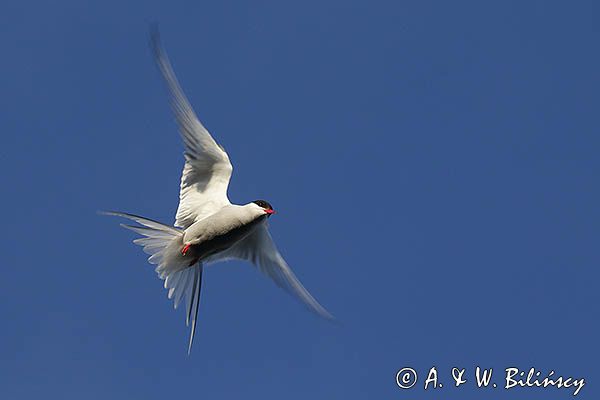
[(154, 37), (319, 310), (332, 319), (107, 212)]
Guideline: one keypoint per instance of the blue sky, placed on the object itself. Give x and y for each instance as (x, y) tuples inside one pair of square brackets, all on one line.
[(434, 166)]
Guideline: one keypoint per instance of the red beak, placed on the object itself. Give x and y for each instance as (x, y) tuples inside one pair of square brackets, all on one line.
[(270, 211)]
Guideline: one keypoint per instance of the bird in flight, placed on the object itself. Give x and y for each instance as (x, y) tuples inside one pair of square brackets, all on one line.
[(208, 228)]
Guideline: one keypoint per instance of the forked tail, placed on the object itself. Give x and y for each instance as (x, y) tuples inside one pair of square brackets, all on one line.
[(163, 243)]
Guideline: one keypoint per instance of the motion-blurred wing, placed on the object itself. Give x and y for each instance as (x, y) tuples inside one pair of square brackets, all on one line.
[(207, 168), (259, 249)]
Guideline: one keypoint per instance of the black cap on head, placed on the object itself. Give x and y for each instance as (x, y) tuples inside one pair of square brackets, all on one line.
[(264, 204)]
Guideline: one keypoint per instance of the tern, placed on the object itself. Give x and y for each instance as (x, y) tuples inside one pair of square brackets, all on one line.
[(208, 227)]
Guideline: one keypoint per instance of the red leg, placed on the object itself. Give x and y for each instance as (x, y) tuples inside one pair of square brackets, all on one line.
[(185, 249)]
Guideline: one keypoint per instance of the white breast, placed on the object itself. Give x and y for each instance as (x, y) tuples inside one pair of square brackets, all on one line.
[(220, 223)]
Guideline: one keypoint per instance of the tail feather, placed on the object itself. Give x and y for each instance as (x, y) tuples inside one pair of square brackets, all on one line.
[(194, 303), (150, 233), (181, 287), (163, 244), (144, 221)]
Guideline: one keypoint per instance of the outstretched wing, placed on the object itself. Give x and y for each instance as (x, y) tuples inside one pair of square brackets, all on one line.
[(207, 168), (259, 249)]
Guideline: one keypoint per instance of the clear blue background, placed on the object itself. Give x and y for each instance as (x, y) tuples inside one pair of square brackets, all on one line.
[(434, 164)]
